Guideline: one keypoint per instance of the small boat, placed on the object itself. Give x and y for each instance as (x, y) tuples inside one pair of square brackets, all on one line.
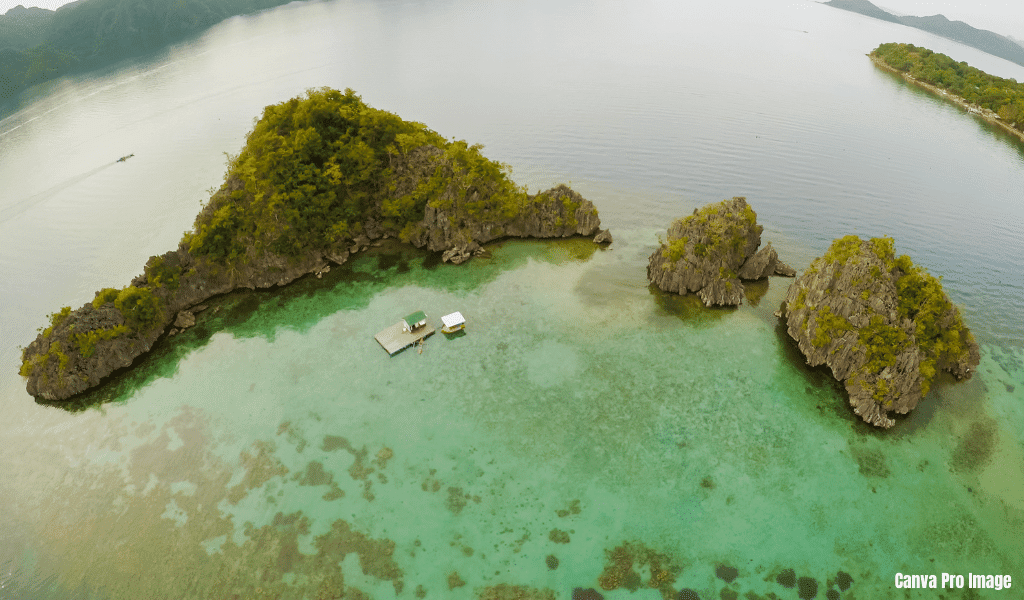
[(124, 158), (453, 322)]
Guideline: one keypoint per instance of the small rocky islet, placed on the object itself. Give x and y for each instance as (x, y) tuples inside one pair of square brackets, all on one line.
[(883, 325), (322, 177), (711, 251)]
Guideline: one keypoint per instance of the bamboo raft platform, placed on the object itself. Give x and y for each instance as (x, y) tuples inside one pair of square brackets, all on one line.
[(394, 339)]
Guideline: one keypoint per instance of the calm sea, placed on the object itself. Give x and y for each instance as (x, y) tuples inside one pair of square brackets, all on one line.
[(275, 451)]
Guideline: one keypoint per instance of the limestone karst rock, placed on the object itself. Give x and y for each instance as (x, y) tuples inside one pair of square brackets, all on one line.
[(711, 251), (882, 325)]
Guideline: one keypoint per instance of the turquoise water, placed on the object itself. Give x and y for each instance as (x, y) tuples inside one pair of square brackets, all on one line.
[(694, 433), (275, 450)]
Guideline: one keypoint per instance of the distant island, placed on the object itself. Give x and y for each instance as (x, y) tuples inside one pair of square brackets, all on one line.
[(984, 40), (999, 101), (37, 44), (319, 178)]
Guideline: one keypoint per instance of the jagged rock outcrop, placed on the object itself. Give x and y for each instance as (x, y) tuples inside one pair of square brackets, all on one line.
[(710, 251), (883, 326), (62, 362), (85, 346), (185, 320), (465, 215)]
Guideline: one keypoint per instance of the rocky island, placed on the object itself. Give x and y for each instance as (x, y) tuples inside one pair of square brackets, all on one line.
[(881, 324), (711, 251), (320, 177)]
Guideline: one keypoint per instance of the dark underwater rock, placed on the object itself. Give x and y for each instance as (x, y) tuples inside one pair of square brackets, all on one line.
[(726, 573), (843, 580), (807, 588), (787, 578)]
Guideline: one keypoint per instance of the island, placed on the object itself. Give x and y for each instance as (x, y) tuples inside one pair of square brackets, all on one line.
[(319, 178), (883, 325), (711, 251), (958, 31), (997, 100)]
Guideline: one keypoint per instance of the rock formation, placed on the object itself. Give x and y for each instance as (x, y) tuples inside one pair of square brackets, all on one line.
[(84, 346), (710, 251), (457, 223), (882, 325)]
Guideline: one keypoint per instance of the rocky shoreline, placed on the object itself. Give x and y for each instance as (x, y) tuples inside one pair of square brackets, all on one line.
[(60, 365), (973, 109)]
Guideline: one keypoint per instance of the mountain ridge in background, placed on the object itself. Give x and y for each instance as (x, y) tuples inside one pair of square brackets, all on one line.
[(37, 44), (958, 31)]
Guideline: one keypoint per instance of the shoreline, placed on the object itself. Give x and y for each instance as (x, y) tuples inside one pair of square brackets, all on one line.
[(549, 216), (973, 109)]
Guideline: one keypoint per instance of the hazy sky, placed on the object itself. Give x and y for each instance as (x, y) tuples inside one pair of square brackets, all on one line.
[(1002, 16)]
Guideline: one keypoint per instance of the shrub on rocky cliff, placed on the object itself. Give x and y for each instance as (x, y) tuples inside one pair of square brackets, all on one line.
[(882, 324), (315, 169)]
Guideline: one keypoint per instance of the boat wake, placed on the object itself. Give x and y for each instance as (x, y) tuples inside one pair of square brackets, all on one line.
[(22, 205)]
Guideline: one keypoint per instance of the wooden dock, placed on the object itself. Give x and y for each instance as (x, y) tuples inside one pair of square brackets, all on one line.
[(394, 339)]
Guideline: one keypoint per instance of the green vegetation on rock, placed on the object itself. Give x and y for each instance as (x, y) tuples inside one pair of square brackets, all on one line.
[(105, 295), (314, 169), (829, 327), (56, 319), (906, 327), (720, 230), (87, 341), (140, 306), (1004, 97)]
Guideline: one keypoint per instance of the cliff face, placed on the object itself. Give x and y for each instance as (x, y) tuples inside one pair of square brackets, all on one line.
[(711, 251), (86, 345), (464, 216), (62, 362), (883, 326)]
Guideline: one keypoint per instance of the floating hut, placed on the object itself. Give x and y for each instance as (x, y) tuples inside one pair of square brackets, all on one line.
[(453, 322), (405, 333), (414, 321)]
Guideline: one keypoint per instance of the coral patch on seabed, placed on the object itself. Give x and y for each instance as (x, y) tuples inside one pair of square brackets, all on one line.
[(726, 573), (586, 594), (843, 580), (504, 591), (807, 588), (787, 578)]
